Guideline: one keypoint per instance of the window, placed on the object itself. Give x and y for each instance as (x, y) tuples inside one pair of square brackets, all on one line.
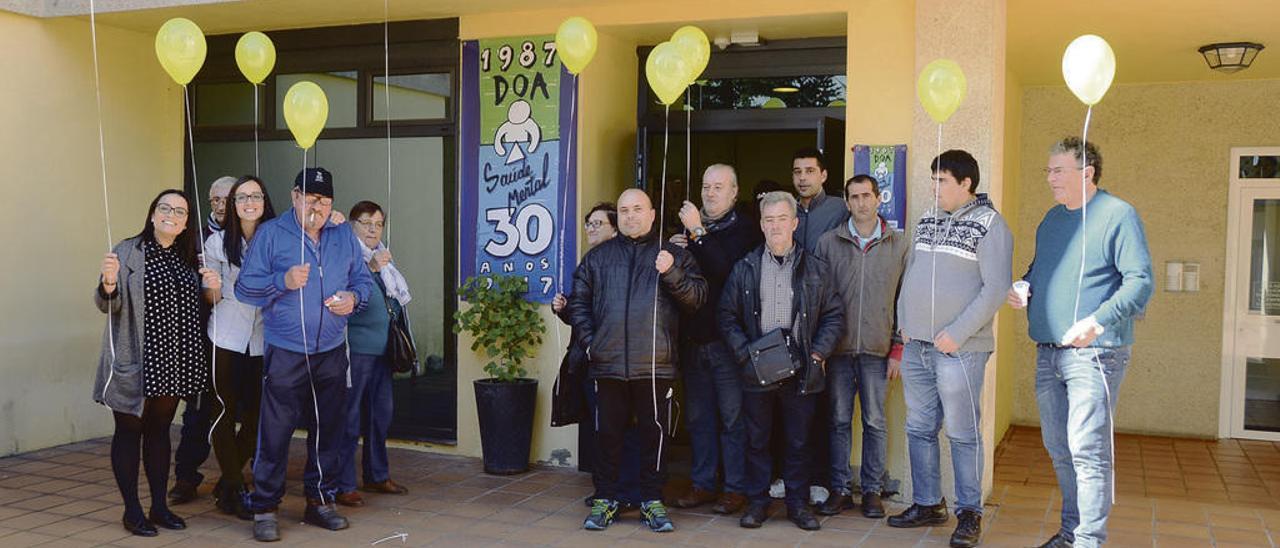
[(425, 96)]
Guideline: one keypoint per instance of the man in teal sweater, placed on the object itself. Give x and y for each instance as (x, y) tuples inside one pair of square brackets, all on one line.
[(1081, 316)]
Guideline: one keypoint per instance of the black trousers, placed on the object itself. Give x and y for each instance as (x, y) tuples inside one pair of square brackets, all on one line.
[(288, 402), (796, 423), (618, 403), (237, 382)]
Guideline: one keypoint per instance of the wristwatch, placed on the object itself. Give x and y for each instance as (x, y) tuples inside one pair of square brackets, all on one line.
[(698, 233)]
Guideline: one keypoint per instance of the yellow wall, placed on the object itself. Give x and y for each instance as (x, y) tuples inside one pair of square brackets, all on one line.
[(1165, 149), (52, 215), (1006, 358)]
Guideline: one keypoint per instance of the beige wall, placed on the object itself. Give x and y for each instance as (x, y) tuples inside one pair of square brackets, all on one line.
[(1165, 149), (52, 214)]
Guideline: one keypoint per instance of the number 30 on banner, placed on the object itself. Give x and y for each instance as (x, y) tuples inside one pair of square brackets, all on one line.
[(530, 233)]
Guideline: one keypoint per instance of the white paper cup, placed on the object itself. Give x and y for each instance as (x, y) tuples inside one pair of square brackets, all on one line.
[(1023, 290)]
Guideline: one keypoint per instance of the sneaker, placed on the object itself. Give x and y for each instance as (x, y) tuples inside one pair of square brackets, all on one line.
[(602, 513), (777, 489), (654, 514), (266, 528), (324, 515), (818, 495), (968, 530), (919, 515)]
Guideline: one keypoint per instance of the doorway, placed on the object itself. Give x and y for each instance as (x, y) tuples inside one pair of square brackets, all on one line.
[(1250, 397)]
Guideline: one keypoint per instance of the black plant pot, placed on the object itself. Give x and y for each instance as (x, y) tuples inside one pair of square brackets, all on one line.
[(506, 423)]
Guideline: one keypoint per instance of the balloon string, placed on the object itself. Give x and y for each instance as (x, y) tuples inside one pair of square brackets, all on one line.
[(257, 167), (306, 356), (688, 140), (657, 285), (386, 69), (106, 205), (204, 260), (933, 241)]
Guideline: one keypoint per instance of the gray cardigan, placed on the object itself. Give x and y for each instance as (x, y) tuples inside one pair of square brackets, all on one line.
[(119, 384)]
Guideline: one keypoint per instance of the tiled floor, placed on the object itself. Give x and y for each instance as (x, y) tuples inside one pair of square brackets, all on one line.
[(1171, 493)]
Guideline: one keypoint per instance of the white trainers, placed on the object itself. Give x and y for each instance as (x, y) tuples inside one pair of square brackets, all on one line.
[(818, 495), (777, 490)]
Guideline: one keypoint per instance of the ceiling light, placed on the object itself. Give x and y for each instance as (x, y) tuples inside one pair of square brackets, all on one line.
[(1230, 57), (786, 89)]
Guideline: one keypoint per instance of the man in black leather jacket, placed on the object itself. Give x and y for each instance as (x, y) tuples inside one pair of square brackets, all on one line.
[(616, 290), (781, 286)]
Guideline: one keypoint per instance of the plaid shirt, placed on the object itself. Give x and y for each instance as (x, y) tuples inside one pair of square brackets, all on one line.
[(776, 290)]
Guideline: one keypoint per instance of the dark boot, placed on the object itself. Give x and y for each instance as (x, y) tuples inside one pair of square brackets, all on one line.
[(968, 530), (872, 506), (836, 503), (755, 515)]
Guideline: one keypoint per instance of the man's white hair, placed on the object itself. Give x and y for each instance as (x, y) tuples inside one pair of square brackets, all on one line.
[(222, 183)]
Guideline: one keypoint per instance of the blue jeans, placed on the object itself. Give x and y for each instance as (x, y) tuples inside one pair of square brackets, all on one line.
[(369, 409), (1076, 408), (863, 376), (944, 389), (713, 401)]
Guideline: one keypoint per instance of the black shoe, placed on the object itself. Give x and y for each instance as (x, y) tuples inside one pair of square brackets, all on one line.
[(919, 516), (183, 492), (1058, 541), (139, 526), (835, 504), (872, 506), (755, 516), (803, 518), (266, 528), (231, 502), (968, 530), (167, 519), (324, 515)]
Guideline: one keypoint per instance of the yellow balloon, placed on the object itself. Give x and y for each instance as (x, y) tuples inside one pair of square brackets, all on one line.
[(306, 109), (256, 56), (1089, 66), (695, 47), (941, 88), (576, 43), (181, 49), (667, 71)]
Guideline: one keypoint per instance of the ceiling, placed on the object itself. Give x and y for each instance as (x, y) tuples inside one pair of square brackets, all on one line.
[(1154, 40)]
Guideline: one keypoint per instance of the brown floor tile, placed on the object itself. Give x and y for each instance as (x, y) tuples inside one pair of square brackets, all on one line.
[(1240, 536)]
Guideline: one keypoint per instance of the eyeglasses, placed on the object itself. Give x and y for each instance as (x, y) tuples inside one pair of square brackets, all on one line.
[(255, 198), (324, 202), (367, 224), (595, 225), (218, 200), (1056, 171), (165, 209)]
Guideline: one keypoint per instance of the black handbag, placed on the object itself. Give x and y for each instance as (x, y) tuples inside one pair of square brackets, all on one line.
[(774, 357), (401, 352)]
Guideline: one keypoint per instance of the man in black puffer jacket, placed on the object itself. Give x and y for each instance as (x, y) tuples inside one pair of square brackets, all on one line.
[(632, 356), (780, 286)]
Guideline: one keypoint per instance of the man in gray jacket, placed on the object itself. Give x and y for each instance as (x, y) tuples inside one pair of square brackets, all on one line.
[(866, 258), (818, 212), (957, 273)]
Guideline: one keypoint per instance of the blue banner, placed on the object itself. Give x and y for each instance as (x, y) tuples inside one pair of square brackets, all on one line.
[(888, 164)]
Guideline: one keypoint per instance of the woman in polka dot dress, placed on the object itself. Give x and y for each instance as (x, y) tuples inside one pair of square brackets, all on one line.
[(153, 350)]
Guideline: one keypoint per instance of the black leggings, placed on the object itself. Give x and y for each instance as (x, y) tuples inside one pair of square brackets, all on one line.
[(151, 433), (238, 382)]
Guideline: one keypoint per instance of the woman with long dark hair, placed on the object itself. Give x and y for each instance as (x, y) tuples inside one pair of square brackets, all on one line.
[(236, 331), (152, 350)]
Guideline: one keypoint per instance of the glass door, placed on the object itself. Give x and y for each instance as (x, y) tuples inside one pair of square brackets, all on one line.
[(1254, 366)]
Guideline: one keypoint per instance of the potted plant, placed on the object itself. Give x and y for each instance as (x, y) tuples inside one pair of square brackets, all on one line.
[(508, 329)]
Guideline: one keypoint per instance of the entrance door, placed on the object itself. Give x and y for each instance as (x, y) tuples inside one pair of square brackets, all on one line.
[(1251, 357), (831, 143)]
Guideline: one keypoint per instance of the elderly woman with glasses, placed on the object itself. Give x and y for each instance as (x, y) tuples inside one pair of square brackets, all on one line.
[(152, 350), (369, 403)]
